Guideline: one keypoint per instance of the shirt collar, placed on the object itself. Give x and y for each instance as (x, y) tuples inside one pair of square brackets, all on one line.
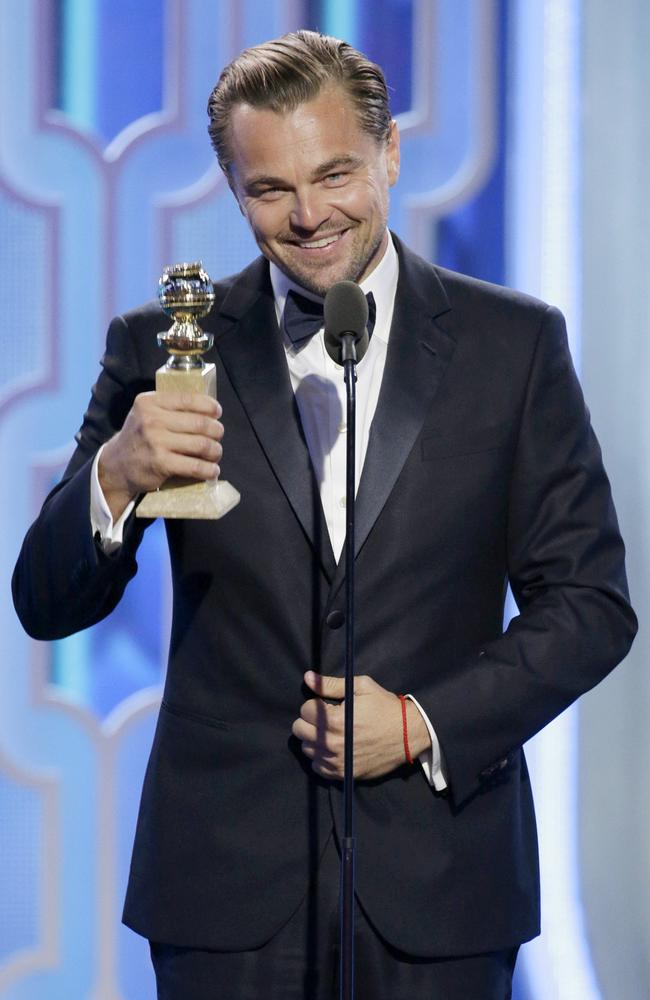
[(382, 282)]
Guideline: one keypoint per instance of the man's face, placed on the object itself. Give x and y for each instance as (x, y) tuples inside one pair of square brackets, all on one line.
[(314, 188)]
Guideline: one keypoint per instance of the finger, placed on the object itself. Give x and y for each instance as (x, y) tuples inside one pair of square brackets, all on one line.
[(316, 752), (200, 425), (320, 732), (195, 446), (190, 467), (304, 731), (324, 685), (189, 402), (327, 770), (318, 713), (157, 420)]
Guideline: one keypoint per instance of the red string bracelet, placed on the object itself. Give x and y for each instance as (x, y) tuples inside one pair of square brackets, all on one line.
[(405, 732)]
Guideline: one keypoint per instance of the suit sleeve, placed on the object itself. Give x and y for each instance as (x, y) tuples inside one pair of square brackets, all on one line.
[(63, 582), (566, 570)]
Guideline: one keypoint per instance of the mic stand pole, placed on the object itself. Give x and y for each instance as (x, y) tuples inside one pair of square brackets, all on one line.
[(348, 845)]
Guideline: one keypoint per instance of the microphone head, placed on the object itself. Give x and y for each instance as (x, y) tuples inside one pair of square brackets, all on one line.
[(346, 314)]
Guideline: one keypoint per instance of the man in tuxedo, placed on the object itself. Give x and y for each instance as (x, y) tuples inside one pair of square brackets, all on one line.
[(477, 467)]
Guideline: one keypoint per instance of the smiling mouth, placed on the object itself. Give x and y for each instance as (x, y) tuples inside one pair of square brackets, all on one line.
[(324, 241)]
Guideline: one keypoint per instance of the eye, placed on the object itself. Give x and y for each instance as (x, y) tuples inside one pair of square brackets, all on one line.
[(336, 179), (269, 194)]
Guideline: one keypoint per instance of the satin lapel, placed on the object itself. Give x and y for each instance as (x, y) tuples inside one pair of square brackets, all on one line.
[(418, 354), (249, 344)]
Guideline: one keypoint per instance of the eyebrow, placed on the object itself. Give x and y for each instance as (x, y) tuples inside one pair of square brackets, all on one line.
[(341, 160)]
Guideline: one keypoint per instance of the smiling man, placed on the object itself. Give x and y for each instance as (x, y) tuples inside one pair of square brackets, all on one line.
[(313, 187), (477, 467)]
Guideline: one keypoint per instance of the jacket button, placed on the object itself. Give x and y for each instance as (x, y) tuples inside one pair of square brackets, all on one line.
[(335, 619)]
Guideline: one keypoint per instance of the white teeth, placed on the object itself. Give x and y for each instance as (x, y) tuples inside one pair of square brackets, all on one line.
[(321, 243)]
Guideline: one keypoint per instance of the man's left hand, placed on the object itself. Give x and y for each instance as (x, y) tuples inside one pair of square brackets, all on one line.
[(378, 730)]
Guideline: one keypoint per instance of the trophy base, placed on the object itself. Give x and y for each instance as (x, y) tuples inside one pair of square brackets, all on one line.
[(206, 501)]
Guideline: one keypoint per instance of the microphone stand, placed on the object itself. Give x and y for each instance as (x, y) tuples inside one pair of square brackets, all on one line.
[(346, 315), (348, 845)]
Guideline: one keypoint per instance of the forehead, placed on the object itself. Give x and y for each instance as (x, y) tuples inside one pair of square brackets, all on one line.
[(316, 132)]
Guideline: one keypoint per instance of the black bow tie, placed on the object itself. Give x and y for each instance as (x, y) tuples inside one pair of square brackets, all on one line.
[(303, 317)]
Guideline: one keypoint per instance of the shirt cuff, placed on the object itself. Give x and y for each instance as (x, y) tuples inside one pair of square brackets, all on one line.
[(431, 759), (108, 534)]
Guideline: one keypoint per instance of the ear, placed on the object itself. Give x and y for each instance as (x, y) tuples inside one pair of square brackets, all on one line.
[(392, 154)]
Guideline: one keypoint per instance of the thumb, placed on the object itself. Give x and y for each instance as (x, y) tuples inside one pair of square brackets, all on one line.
[(326, 687)]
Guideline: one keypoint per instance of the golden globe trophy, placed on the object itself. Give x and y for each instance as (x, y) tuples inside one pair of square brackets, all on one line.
[(185, 293)]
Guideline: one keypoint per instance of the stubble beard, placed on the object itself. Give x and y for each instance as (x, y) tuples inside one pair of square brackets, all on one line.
[(354, 270)]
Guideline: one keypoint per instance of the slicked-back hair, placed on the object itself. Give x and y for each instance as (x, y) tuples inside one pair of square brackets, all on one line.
[(284, 73)]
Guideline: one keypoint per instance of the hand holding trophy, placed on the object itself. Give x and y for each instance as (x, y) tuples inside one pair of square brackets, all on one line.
[(185, 292)]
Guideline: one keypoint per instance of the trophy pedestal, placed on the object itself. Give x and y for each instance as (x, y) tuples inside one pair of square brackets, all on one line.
[(201, 501), (187, 498)]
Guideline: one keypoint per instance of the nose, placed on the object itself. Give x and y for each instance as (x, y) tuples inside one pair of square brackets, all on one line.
[(310, 210)]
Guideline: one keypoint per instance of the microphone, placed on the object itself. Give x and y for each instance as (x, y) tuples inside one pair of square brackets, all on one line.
[(346, 314)]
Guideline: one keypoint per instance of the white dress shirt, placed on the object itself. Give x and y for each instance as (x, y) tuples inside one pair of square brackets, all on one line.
[(319, 388)]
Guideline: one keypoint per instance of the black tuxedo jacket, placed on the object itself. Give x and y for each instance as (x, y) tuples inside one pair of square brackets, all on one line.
[(481, 469)]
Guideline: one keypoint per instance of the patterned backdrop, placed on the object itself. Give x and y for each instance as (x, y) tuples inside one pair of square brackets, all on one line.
[(106, 175)]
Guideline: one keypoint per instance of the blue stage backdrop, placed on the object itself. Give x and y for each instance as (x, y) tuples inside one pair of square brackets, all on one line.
[(106, 175)]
